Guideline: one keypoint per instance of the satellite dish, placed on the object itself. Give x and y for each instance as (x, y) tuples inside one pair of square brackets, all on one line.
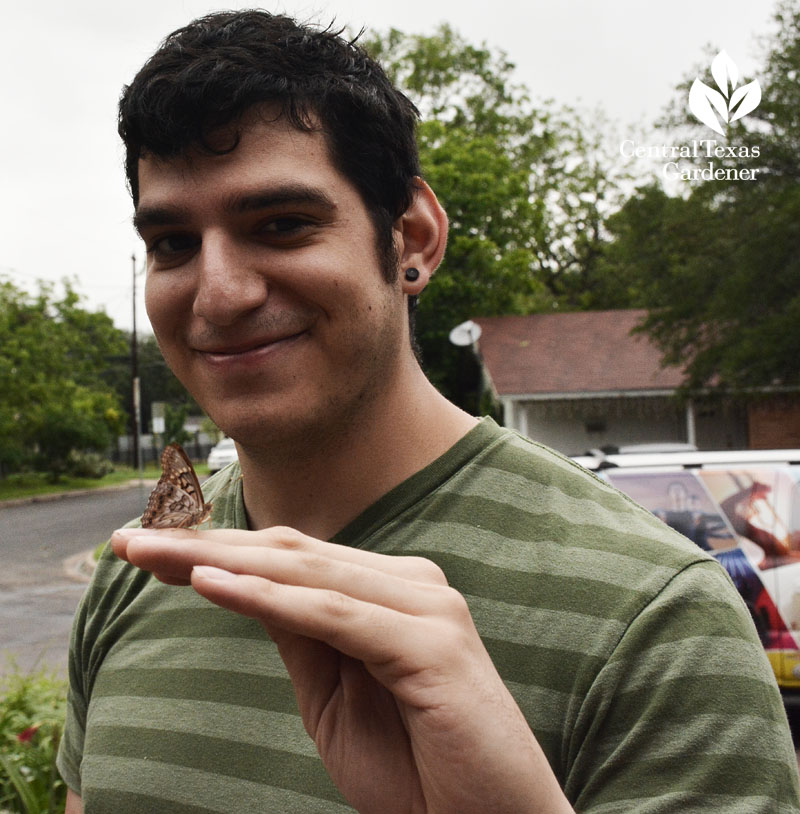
[(467, 333)]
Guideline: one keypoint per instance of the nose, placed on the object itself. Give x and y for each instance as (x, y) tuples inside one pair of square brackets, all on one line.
[(228, 286)]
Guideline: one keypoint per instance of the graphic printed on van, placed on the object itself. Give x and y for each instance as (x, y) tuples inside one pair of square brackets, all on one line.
[(748, 517)]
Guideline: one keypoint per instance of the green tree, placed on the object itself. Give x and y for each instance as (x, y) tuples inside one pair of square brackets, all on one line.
[(721, 282), (777, 118), (53, 397), (521, 184), (158, 382), (174, 420), (720, 269)]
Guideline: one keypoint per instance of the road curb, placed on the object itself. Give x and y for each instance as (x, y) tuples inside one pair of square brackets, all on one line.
[(80, 567)]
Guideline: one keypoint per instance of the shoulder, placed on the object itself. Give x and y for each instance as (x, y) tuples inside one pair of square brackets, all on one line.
[(222, 480), (531, 538), (515, 489), (522, 527)]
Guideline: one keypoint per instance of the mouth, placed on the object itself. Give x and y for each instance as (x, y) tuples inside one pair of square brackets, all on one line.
[(250, 350)]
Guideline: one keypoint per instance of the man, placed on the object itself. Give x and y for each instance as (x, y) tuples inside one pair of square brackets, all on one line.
[(411, 610)]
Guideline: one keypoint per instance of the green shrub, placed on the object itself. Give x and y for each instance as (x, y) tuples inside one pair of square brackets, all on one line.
[(32, 710), (88, 465)]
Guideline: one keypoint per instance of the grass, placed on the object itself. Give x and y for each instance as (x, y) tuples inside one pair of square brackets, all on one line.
[(34, 484), (31, 484)]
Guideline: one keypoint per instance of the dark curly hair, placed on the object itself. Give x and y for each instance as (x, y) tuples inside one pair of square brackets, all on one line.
[(208, 74)]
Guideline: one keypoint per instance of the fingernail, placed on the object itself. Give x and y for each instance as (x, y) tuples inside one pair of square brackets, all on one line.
[(135, 532), (211, 572)]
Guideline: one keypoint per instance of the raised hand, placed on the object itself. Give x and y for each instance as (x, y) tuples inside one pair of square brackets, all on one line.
[(392, 680)]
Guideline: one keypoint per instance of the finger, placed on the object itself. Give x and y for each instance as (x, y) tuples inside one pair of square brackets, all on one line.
[(121, 537), (168, 579), (288, 539), (170, 557), (392, 642), (174, 558)]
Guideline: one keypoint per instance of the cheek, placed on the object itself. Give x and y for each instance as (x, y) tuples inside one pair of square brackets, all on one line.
[(166, 301), (153, 298)]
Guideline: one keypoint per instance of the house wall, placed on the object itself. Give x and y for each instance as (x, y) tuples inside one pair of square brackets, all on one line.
[(721, 426), (573, 427), (775, 424)]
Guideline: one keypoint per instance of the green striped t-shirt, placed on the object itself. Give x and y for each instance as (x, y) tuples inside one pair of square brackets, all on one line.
[(627, 648)]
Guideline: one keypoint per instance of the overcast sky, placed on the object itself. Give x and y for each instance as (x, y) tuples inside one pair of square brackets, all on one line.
[(64, 209)]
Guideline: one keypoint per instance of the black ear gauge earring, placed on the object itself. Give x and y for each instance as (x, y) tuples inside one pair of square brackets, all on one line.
[(412, 274)]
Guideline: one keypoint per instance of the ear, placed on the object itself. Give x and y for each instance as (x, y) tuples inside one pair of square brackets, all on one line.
[(421, 237)]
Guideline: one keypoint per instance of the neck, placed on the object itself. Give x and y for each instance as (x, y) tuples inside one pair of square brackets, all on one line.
[(320, 482)]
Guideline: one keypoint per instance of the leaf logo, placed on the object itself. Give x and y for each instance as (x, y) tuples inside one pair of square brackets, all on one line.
[(729, 103)]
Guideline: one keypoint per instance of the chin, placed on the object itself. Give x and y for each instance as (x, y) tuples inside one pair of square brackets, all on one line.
[(255, 428)]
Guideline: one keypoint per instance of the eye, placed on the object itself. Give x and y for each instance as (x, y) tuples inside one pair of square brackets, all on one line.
[(285, 226), (170, 247)]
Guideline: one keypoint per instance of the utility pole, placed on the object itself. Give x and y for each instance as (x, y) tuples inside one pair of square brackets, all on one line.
[(135, 384)]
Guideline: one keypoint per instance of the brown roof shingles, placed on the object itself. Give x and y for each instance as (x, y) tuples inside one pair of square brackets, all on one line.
[(570, 353)]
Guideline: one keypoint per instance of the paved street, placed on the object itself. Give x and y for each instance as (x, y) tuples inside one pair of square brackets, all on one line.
[(38, 595)]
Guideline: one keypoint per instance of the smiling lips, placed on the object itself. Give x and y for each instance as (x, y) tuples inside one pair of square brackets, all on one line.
[(246, 351)]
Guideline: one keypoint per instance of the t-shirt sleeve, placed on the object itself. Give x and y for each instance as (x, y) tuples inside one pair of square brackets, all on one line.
[(686, 716), (70, 749)]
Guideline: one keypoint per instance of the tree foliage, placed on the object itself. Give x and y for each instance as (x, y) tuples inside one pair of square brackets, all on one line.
[(174, 421), (158, 383), (521, 184), (777, 118), (54, 400), (719, 269)]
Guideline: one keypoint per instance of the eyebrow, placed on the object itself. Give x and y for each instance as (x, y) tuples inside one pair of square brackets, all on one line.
[(285, 195)]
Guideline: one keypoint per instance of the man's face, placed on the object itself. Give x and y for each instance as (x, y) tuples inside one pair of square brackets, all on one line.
[(263, 285)]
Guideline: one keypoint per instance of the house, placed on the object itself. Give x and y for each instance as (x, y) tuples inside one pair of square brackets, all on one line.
[(582, 380)]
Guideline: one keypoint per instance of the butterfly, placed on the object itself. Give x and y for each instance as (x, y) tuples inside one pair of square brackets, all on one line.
[(177, 500)]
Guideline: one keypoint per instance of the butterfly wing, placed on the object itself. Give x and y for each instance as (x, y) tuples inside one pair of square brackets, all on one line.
[(177, 500)]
